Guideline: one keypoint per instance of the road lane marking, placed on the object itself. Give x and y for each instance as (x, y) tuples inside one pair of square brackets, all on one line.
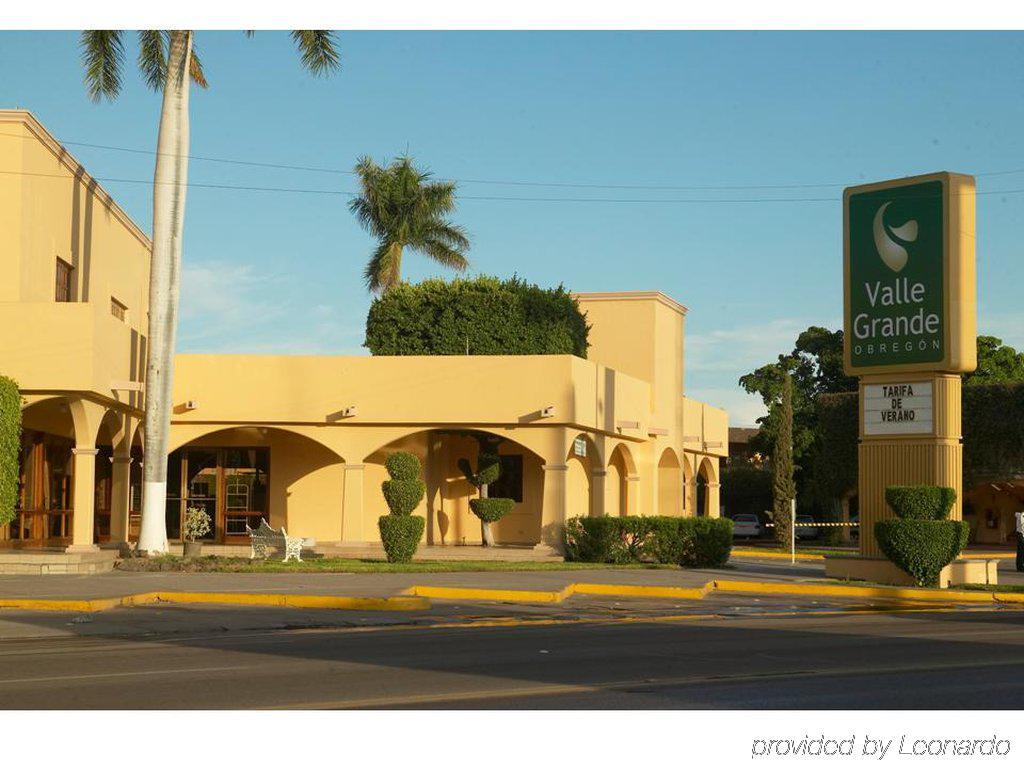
[(140, 673)]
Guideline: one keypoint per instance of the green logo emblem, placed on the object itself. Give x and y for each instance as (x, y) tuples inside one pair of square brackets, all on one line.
[(896, 266)]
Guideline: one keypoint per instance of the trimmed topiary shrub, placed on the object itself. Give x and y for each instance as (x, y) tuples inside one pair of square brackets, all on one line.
[(400, 535), (400, 531), (488, 470), (921, 541), (692, 542), (10, 447), (405, 489), (922, 548), (920, 502), (491, 510), (479, 316)]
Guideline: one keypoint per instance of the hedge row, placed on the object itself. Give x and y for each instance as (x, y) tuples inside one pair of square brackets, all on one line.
[(10, 447), (693, 542), (481, 316)]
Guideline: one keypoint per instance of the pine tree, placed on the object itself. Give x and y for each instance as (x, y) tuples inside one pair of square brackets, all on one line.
[(783, 487)]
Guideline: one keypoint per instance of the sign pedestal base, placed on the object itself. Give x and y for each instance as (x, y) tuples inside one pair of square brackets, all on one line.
[(935, 458)]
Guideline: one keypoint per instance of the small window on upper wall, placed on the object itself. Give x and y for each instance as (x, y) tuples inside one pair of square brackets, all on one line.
[(64, 276), (117, 309)]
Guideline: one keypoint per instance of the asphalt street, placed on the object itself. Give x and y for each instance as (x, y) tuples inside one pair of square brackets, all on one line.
[(600, 655)]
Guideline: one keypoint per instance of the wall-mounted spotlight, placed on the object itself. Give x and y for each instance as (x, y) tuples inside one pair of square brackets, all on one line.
[(191, 405), (547, 413), (347, 413)]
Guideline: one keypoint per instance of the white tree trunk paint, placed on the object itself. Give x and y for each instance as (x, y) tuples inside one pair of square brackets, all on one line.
[(169, 186), (486, 535)]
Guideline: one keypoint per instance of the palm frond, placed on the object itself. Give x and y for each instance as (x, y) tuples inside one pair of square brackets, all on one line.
[(195, 68), (152, 58), (384, 270), (444, 254), (447, 233), (102, 57), (319, 54)]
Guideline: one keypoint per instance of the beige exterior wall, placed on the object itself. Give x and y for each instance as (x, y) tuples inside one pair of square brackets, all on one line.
[(645, 444)]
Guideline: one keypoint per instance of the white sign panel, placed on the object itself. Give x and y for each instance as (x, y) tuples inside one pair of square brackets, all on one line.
[(579, 447), (898, 409)]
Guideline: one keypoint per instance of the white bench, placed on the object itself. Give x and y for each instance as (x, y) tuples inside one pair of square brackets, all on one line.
[(264, 537)]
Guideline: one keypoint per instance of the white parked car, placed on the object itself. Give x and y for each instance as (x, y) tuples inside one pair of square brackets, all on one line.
[(806, 531), (746, 526)]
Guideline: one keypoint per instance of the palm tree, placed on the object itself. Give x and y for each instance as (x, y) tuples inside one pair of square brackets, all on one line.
[(402, 208), (168, 61)]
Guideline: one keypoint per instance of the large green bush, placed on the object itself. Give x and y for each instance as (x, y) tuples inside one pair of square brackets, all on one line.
[(10, 447), (481, 316), (400, 531), (707, 541), (920, 502), (921, 541), (692, 542)]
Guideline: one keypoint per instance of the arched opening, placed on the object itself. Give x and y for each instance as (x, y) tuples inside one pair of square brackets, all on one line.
[(620, 468), (241, 475), (670, 484), (45, 504), (579, 477), (450, 521), (112, 434), (705, 476)]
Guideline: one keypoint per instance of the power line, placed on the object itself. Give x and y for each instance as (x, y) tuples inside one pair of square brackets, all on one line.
[(497, 182), (346, 193)]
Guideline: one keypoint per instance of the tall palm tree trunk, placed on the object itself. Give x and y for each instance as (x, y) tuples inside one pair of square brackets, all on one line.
[(169, 185)]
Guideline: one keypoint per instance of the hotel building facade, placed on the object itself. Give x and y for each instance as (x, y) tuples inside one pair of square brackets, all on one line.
[(301, 440)]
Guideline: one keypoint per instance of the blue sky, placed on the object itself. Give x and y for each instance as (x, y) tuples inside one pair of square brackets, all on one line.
[(281, 272)]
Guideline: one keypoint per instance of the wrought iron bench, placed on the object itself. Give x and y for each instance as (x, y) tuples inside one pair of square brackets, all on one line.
[(264, 537)]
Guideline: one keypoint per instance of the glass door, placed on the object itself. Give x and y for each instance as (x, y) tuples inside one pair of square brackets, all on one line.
[(203, 485)]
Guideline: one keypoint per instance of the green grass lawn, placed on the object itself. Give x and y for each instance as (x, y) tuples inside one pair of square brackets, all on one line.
[(993, 587), (215, 564)]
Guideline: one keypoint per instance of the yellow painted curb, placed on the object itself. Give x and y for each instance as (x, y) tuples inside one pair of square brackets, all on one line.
[(839, 590), (417, 598), (502, 595), (399, 603), (628, 590)]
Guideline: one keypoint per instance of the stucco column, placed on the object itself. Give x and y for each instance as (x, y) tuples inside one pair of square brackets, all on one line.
[(552, 513), (120, 498), (597, 492), (632, 496), (352, 504), (714, 499), (83, 522)]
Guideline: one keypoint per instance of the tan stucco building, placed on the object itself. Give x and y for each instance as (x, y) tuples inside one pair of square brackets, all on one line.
[(301, 440)]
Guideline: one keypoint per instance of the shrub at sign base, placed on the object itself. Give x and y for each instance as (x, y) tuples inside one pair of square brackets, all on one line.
[(401, 531), (10, 447), (921, 541), (692, 542)]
